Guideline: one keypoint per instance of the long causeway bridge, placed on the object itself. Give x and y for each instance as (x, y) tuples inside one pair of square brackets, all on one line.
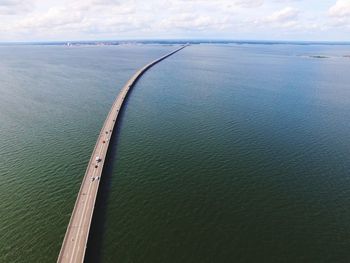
[(75, 241)]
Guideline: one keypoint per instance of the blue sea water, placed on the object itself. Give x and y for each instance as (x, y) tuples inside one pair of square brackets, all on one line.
[(224, 153)]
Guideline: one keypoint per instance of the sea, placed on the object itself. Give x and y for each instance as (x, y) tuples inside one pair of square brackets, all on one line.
[(223, 152)]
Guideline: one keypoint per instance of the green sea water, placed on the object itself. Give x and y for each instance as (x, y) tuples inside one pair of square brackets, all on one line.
[(223, 153)]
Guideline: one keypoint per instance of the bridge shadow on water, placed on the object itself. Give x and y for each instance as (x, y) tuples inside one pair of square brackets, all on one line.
[(98, 224)]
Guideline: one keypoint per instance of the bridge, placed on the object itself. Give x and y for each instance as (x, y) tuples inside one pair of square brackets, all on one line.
[(76, 237)]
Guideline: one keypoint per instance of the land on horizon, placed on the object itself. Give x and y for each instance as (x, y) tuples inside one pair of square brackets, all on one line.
[(176, 41)]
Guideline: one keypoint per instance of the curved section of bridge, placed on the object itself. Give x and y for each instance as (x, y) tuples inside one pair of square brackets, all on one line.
[(74, 243)]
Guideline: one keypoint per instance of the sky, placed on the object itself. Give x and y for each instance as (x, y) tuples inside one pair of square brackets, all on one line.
[(64, 20)]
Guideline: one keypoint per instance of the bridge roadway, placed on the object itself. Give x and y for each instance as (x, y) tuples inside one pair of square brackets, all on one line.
[(75, 241)]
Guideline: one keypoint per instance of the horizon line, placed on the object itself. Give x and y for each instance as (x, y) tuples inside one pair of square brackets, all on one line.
[(178, 41)]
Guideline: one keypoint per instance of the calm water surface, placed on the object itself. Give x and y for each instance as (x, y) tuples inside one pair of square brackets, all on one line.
[(223, 154), (53, 101)]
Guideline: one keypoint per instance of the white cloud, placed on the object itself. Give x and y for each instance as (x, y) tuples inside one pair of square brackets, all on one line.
[(248, 3), (282, 16), (13, 7), (237, 3), (192, 22), (53, 18), (340, 14), (340, 9), (114, 19)]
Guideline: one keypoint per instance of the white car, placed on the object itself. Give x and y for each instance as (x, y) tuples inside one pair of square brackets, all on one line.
[(98, 159)]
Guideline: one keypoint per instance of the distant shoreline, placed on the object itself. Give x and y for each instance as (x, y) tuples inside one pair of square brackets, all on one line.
[(174, 42)]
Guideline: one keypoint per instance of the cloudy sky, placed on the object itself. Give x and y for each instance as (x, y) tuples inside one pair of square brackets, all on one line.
[(40, 20)]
